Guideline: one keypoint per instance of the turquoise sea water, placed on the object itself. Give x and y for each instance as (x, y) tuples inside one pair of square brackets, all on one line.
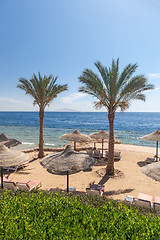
[(24, 126)]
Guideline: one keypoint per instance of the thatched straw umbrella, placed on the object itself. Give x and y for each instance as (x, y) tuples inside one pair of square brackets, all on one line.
[(75, 136), (3, 137), (9, 157), (101, 135), (117, 141), (155, 136), (67, 161), (152, 170), (8, 142)]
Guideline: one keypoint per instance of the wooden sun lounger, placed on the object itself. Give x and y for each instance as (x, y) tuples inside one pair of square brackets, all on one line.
[(93, 192), (89, 151), (16, 167), (28, 185), (156, 203), (9, 185), (143, 200), (21, 185), (117, 156), (97, 154), (98, 187), (6, 179), (144, 196)]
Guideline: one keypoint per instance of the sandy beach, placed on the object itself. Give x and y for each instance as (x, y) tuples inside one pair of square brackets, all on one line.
[(131, 183)]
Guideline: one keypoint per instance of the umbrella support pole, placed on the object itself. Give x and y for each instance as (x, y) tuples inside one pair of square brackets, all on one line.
[(157, 151), (75, 145), (102, 147), (1, 177), (94, 146), (67, 181)]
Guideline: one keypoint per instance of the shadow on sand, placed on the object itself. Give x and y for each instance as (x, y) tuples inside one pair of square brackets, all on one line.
[(120, 191), (104, 180), (146, 162), (34, 159)]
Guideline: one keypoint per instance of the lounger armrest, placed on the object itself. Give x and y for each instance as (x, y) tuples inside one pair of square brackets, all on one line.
[(156, 199), (32, 188), (101, 193), (34, 184), (141, 202)]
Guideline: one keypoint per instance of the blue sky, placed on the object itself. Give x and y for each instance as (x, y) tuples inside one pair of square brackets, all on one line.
[(62, 37)]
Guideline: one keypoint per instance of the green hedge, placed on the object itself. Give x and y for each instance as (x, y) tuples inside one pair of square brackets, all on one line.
[(45, 215)]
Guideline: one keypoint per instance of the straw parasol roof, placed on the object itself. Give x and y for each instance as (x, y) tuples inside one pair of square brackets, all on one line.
[(67, 161), (75, 136), (152, 170), (101, 135), (8, 142), (155, 136), (3, 137), (9, 157)]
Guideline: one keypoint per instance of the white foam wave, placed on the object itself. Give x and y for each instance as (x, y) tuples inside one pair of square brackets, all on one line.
[(27, 143), (49, 144)]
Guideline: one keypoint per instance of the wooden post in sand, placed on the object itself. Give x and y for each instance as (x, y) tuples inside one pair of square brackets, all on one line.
[(102, 147), (1, 177), (67, 181), (157, 152)]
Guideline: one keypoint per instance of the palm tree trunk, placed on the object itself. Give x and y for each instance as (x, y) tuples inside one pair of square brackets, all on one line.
[(110, 165), (41, 118)]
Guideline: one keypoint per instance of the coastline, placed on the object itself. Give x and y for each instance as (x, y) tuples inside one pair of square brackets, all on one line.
[(24, 126), (117, 147)]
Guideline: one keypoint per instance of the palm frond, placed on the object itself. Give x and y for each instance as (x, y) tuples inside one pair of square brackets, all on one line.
[(114, 73), (124, 105), (135, 85), (28, 88), (126, 74), (99, 104), (104, 73), (56, 89), (114, 90), (93, 85), (42, 89)]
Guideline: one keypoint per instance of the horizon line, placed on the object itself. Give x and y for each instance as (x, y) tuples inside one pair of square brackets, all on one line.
[(58, 111)]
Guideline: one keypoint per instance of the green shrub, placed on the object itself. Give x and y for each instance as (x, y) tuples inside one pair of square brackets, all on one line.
[(43, 215)]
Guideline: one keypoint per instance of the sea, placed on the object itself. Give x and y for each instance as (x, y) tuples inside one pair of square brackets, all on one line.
[(129, 127)]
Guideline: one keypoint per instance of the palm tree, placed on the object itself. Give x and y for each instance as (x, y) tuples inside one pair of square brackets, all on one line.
[(113, 90), (43, 90)]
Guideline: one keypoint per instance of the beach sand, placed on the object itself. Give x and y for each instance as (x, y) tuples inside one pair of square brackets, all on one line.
[(131, 183)]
